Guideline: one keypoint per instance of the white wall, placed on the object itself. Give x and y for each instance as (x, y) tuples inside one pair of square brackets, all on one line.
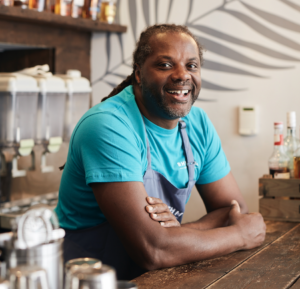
[(252, 53)]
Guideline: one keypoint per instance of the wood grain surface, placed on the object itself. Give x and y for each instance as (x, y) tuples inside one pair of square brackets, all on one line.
[(279, 188), (280, 210), (296, 285), (277, 266), (204, 273)]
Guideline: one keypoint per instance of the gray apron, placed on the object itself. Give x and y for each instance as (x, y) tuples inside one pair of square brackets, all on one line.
[(102, 241), (158, 186)]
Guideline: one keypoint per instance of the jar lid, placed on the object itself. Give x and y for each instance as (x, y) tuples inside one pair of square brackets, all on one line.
[(75, 82)]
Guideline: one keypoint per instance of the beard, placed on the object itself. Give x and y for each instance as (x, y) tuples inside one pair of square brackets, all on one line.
[(158, 104)]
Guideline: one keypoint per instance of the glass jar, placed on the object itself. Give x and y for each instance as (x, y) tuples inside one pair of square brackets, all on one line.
[(108, 11), (7, 2), (38, 5), (77, 6), (91, 9), (21, 3), (63, 7)]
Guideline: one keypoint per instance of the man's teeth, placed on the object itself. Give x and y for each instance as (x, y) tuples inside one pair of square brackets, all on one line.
[(178, 91)]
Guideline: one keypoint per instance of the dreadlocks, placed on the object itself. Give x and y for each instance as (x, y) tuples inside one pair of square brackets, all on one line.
[(143, 49)]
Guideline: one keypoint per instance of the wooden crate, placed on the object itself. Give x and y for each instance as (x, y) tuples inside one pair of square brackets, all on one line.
[(280, 199)]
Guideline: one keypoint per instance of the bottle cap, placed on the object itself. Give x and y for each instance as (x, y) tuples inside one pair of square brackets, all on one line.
[(278, 124), (291, 119)]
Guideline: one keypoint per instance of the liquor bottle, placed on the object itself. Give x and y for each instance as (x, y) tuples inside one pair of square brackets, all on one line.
[(279, 161), (297, 163), (291, 143)]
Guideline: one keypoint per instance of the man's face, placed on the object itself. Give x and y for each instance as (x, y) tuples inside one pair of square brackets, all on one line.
[(170, 77)]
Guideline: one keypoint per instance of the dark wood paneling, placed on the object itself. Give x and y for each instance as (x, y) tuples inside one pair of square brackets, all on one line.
[(14, 60), (72, 48), (47, 18)]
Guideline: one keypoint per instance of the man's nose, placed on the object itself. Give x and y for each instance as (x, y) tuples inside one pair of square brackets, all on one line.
[(180, 73)]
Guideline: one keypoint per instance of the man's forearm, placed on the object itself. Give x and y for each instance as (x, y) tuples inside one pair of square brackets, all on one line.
[(181, 245), (215, 219)]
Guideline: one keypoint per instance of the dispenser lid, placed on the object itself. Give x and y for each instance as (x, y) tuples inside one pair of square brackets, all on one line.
[(16, 82), (74, 81), (49, 83)]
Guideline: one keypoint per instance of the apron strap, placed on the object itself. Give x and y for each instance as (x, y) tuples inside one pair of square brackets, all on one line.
[(148, 151), (190, 161)]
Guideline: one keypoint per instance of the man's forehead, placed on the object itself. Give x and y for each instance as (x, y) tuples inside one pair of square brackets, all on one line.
[(164, 44), (164, 38)]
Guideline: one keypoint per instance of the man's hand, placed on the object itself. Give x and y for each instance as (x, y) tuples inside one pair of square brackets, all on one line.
[(251, 227), (159, 211)]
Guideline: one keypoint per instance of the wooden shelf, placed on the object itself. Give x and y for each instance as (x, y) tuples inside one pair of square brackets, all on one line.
[(50, 19)]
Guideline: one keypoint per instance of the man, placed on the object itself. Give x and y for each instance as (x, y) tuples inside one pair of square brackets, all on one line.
[(148, 140)]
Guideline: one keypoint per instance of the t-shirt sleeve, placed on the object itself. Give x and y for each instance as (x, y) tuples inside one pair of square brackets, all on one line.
[(215, 165), (108, 149)]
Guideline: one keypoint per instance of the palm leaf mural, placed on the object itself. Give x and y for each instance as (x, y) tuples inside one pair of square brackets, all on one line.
[(233, 51)]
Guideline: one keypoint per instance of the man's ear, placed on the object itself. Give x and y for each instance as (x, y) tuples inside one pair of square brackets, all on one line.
[(137, 74)]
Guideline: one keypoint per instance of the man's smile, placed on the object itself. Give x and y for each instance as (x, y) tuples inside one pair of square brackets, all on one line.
[(181, 96)]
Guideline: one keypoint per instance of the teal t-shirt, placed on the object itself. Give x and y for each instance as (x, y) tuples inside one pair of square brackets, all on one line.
[(109, 145)]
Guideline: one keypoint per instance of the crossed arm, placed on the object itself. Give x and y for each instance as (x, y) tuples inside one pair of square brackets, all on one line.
[(154, 245)]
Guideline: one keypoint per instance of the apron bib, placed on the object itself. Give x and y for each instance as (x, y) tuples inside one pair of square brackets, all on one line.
[(102, 241)]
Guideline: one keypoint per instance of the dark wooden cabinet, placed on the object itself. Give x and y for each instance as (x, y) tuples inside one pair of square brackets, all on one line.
[(63, 42)]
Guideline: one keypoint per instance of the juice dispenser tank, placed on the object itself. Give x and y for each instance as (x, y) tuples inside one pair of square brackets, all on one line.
[(50, 115), (18, 110), (78, 100)]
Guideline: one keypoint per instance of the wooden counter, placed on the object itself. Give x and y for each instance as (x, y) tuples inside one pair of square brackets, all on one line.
[(275, 264)]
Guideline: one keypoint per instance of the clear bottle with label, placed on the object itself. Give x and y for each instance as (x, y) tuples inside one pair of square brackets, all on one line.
[(297, 163), (279, 161), (291, 142)]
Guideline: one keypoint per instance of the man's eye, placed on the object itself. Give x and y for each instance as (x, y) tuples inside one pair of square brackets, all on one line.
[(192, 66), (165, 65)]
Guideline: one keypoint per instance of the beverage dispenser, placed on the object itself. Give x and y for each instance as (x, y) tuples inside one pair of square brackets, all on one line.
[(78, 100), (50, 115), (18, 111)]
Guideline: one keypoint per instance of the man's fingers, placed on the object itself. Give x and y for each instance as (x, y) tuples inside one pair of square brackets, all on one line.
[(235, 206), (162, 217), (168, 224), (152, 200), (157, 208)]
